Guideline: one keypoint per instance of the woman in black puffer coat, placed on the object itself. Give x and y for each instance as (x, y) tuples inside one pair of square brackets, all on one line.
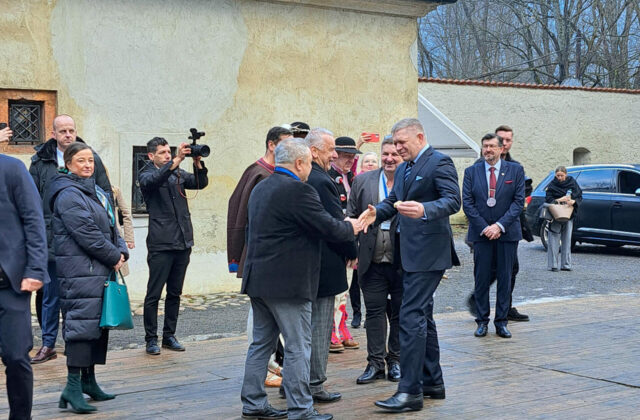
[(87, 250)]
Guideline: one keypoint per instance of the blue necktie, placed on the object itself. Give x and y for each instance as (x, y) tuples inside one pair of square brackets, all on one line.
[(407, 170)]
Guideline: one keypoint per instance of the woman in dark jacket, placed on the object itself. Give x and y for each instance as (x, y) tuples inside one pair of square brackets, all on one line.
[(562, 189), (87, 249)]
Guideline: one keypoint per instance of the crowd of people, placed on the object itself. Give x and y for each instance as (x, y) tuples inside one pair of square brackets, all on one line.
[(67, 232), (309, 209)]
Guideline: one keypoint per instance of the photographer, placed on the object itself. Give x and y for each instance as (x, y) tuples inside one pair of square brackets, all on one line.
[(170, 236)]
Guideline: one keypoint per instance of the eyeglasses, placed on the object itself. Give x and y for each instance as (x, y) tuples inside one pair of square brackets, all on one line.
[(490, 146)]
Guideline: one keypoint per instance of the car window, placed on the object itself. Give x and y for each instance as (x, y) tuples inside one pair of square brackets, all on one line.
[(628, 182), (596, 180)]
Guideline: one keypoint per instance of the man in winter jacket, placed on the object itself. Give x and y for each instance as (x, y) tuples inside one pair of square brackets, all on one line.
[(170, 236), (44, 166)]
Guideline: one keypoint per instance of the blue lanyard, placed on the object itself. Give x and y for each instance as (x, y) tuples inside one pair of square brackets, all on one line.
[(384, 185), (286, 171)]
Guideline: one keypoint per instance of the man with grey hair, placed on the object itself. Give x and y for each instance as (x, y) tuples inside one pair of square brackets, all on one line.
[(333, 266), (287, 227), (425, 193)]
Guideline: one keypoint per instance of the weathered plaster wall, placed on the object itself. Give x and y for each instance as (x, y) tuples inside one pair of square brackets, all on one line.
[(548, 124), (128, 71)]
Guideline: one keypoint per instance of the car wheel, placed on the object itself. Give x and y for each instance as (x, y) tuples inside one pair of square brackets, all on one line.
[(544, 233)]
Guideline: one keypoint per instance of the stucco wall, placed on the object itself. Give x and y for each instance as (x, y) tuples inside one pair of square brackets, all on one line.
[(548, 124), (128, 71)]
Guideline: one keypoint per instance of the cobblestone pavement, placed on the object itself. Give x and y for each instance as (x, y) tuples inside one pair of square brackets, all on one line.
[(597, 270)]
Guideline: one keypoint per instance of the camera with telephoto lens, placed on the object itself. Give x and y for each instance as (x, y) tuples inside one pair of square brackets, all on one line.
[(198, 149)]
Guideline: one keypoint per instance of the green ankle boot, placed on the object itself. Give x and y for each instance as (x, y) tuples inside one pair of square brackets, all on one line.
[(92, 389), (72, 394)]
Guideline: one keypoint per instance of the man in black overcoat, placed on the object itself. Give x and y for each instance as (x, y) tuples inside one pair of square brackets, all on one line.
[(333, 267), (287, 228), (23, 269)]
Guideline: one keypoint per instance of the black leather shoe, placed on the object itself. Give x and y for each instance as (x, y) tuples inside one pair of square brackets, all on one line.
[(172, 343), (503, 332), (402, 402), (152, 347), (267, 413), (357, 320), (481, 331), (317, 416), (394, 374), (471, 305), (435, 392), (370, 374), (514, 315), (326, 397)]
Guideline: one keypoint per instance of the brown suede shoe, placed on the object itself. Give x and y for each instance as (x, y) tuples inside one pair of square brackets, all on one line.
[(351, 344), (45, 353), (336, 348)]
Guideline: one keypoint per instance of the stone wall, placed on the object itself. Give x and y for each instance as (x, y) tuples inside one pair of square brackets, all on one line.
[(128, 71)]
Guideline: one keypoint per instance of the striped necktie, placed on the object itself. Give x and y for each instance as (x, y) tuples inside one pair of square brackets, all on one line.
[(407, 170)]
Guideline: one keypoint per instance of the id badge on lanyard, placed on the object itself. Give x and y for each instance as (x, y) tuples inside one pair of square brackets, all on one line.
[(386, 225)]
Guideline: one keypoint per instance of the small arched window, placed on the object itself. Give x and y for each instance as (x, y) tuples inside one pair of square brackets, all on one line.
[(581, 156)]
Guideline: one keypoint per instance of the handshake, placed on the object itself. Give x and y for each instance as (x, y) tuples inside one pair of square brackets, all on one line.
[(363, 222)]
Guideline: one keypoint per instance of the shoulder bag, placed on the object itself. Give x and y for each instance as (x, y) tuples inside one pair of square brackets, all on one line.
[(116, 309)]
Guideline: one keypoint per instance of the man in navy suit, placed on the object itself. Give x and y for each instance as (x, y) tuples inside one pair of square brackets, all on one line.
[(493, 198), (23, 269), (425, 193)]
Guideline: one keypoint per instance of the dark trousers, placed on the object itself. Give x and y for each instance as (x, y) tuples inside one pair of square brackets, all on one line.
[(165, 267), (419, 348), (15, 343), (377, 283), (486, 256), (514, 274), (354, 294), (50, 307)]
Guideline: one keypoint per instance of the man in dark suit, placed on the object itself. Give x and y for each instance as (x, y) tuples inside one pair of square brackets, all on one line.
[(379, 273), (286, 230), (506, 133), (23, 269), (493, 198), (333, 262), (425, 193)]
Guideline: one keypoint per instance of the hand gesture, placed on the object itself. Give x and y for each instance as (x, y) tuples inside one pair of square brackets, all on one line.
[(411, 209), (355, 224), (367, 218), (30, 285), (352, 264), (5, 134), (131, 245)]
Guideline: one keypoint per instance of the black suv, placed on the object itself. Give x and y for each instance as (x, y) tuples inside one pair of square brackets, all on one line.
[(610, 209)]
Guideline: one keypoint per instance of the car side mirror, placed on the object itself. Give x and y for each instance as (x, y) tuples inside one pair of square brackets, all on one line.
[(638, 192)]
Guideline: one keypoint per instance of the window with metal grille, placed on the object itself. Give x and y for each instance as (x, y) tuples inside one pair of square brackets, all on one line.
[(140, 160), (25, 120)]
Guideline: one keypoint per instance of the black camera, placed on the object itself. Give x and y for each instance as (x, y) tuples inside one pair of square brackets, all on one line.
[(198, 149)]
